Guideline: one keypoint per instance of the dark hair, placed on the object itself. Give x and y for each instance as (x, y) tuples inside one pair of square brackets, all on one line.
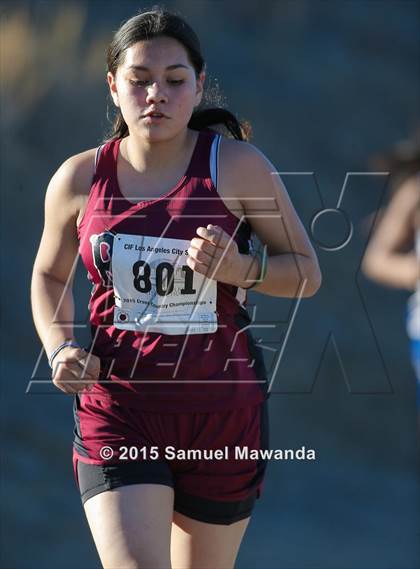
[(402, 161), (156, 23)]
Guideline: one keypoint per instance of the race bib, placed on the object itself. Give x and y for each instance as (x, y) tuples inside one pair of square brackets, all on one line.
[(156, 291)]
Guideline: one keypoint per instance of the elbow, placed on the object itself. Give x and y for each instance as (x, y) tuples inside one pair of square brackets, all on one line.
[(312, 281), (374, 265), (65, 280), (369, 266)]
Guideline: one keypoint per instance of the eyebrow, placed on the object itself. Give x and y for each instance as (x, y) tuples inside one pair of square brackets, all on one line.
[(143, 68)]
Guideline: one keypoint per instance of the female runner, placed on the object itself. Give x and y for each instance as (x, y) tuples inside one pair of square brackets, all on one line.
[(162, 215), (392, 257)]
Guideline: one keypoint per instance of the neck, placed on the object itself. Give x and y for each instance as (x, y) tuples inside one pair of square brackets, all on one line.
[(148, 157)]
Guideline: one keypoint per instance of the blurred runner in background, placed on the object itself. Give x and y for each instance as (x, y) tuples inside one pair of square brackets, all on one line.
[(393, 254)]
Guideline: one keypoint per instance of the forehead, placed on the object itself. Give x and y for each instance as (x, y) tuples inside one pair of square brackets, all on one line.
[(157, 52)]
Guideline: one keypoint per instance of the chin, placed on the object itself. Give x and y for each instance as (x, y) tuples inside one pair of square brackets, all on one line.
[(157, 133)]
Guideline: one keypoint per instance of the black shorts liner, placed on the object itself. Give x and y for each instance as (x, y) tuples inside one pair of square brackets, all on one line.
[(94, 479)]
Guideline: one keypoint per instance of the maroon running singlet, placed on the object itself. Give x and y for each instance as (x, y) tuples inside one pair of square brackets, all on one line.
[(169, 339), (179, 366)]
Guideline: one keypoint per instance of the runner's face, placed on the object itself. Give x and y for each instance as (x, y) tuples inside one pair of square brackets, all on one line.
[(174, 91)]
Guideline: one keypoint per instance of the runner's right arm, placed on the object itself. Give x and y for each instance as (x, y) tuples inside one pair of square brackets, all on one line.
[(53, 275), (386, 259)]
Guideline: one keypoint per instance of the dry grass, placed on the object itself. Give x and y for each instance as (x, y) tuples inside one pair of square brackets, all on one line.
[(36, 58)]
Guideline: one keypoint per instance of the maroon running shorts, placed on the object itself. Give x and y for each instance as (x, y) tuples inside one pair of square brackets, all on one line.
[(211, 460)]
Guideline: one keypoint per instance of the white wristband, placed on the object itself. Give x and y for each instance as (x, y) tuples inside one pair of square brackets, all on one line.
[(60, 347)]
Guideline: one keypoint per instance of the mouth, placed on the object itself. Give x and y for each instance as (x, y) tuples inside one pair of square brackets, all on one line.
[(154, 115), (153, 118)]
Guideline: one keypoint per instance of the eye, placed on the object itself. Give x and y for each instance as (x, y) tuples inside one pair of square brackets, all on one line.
[(137, 83), (142, 83)]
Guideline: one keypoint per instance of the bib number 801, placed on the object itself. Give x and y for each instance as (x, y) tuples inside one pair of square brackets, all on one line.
[(164, 278)]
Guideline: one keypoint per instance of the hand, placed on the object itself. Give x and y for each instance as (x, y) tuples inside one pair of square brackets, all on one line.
[(215, 254), (74, 369)]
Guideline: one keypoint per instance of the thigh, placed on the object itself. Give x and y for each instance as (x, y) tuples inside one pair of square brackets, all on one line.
[(131, 526), (129, 510), (200, 545)]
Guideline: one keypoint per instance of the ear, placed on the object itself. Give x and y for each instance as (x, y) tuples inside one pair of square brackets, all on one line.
[(200, 88), (112, 88)]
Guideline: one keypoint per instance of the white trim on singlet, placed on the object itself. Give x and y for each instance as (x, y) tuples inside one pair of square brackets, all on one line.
[(97, 154), (214, 159), (214, 173)]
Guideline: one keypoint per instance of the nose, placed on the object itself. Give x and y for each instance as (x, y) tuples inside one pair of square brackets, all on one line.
[(155, 93)]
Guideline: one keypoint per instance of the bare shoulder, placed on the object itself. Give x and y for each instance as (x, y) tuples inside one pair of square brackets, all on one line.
[(250, 181), (243, 153), (69, 187), (243, 165), (76, 173)]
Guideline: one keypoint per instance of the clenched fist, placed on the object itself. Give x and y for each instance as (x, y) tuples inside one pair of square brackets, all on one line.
[(215, 254), (74, 369)]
